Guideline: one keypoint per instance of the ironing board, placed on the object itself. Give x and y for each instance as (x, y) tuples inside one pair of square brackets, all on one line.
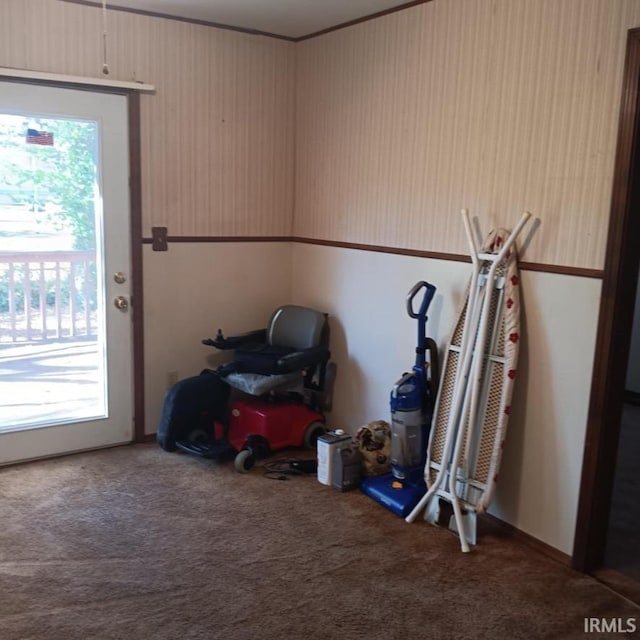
[(474, 400)]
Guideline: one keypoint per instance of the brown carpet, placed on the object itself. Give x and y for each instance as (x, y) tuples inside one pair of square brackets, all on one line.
[(135, 543)]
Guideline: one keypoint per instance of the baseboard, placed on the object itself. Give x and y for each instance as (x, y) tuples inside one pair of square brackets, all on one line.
[(620, 583), (542, 547)]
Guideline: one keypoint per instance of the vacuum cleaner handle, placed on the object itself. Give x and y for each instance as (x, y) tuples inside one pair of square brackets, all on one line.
[(426, 301), (434, 365)]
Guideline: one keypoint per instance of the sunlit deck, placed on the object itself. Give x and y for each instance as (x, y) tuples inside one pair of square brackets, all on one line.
[(50, 382)]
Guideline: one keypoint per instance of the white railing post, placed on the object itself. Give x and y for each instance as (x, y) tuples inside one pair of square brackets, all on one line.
[(17, 319)]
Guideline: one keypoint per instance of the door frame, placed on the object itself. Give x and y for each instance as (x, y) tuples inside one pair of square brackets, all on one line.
[(135, 233), (615, 324)]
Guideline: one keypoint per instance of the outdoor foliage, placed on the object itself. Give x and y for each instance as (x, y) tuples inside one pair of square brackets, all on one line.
[(63, 174), (12, 298)]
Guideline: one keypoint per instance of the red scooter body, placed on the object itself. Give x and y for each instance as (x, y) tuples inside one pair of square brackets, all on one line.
[(281, 423)]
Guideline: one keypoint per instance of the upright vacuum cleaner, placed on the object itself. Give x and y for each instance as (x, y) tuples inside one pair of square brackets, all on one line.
[(412, 402)]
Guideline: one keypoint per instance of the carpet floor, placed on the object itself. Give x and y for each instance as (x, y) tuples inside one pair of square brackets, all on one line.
[(135, 543)]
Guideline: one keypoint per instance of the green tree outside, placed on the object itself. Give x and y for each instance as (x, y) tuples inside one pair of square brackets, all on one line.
[(63, 174)]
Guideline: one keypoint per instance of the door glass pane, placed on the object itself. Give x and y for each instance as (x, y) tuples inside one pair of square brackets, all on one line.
[(52, 330)]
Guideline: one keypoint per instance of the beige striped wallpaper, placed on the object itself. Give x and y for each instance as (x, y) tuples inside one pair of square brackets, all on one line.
[(493, 105), (217, 137)]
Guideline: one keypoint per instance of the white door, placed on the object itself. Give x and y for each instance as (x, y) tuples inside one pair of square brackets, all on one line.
[(65, 322)]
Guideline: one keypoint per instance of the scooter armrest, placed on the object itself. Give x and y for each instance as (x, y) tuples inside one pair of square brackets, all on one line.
[(233, 342), (299, 360)]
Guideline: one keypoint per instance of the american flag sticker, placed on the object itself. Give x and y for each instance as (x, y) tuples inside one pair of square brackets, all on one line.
[(44, 138)]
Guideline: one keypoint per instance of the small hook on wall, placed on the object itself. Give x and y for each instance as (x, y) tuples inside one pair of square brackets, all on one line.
[(105, 65)]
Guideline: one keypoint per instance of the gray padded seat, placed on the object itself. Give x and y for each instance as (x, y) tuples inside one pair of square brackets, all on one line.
[(290, 326)]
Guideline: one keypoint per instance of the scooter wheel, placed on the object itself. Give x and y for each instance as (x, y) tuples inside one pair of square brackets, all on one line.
[(312, 433), (244, 461)]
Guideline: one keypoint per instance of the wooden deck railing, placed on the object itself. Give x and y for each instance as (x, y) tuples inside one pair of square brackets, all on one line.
[(47, 295)]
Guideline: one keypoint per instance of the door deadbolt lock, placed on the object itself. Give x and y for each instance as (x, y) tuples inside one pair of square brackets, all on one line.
[(119, 277), (121, 303)]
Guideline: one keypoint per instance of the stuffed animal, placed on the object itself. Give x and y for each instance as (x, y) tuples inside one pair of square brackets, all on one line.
[(374, 443)]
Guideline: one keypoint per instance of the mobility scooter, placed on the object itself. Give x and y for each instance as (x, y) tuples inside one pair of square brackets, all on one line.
[(270, 396)]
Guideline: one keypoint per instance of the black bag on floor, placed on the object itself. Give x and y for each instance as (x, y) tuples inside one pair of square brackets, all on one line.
[(192, 406)]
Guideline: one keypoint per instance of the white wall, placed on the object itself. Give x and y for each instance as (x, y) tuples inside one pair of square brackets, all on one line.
[(373, 341), (195, 288)]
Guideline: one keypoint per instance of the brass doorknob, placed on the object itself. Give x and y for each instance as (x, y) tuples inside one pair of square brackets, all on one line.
[(121, 303)]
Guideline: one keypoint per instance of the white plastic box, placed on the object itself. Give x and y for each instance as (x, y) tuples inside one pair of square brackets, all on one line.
[(327, 445)]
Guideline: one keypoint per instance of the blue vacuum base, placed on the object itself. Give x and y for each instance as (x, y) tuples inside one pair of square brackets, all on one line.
[(400, 501)]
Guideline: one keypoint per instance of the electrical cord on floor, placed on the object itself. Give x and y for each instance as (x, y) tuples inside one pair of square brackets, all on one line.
[(283, 468)]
